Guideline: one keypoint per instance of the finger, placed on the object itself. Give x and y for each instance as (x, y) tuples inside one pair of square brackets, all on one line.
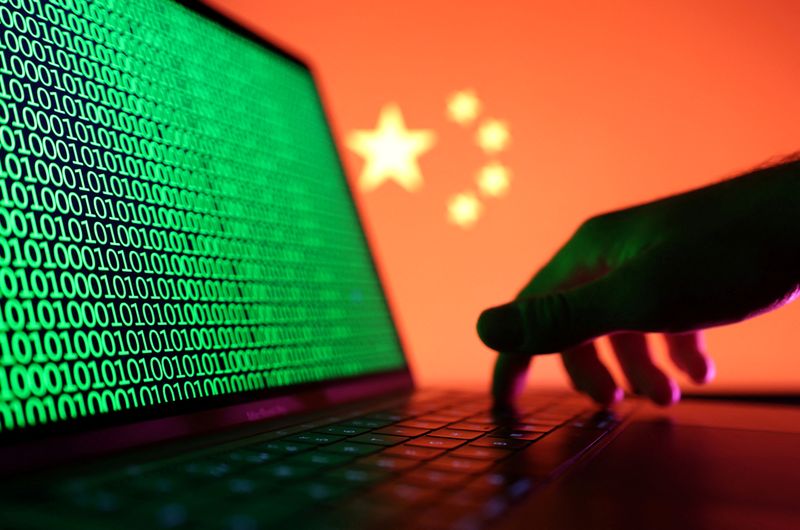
[(688, 352), (589, 374), (508, 381), (561, 320), (644, 376)]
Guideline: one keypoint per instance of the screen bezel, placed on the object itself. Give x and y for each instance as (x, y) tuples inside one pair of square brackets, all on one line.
[(57, 443)]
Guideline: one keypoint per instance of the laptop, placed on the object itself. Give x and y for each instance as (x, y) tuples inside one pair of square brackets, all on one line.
[(193, 333)]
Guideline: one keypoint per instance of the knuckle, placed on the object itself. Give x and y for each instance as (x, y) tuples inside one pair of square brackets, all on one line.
[(596, 226)]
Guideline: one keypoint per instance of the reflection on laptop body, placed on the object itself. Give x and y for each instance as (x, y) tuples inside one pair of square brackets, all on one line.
[(192, 331)]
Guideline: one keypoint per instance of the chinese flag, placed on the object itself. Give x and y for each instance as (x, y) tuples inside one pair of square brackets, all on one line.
[(479, 135)]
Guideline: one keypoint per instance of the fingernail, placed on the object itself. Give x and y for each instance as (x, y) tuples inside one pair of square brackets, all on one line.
[(501, 328), (674, 392), (606, 398), (705, 372)]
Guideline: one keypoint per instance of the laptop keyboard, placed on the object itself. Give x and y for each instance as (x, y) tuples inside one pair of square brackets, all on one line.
[(443, 459)]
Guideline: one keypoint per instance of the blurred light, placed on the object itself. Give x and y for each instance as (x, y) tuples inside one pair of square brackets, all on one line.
[(493, 136), (494, 179), (464, 209), (463, 107)]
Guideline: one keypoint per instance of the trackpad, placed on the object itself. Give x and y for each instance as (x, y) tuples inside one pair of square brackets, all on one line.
[(657, 474)]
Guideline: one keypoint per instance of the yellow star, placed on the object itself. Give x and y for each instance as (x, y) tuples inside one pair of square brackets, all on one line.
[(463, 107), (493, 136), (494, 179), (464, 209), (390, 151)]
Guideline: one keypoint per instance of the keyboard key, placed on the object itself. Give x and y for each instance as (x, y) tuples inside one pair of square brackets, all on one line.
[(207, 469), (246, 456), (532, 427), (492, 418), (542, 419), (480, 453), (370, 423), (466, 426), (99, 501), (457, 434), (436, 442), (404, 493), (423, 424), (463, 410), (420, 424), (435, 478), (596, 420), (321, 489), (481, 419), (351, 448), (413, 452), (153, 485), (501, 443), (165, 513), (284, 471), (444, 418), (510, 484), (387, 415), (463, 465), (379, 439), (415, 410), (243, 487), (343, 430), (321, 459), (517, 435), (494, 481), (360, 475), (285, 446), (315, 438), (390, 463), (398, 430), (367, 511), (172, 515)]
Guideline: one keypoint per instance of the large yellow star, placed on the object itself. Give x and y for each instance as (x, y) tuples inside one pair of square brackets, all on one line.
[(390, 151)]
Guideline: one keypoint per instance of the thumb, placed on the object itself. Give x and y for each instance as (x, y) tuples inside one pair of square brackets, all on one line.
[(557, 321)]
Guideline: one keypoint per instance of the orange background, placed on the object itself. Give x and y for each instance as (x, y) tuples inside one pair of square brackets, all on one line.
[(609, 103)]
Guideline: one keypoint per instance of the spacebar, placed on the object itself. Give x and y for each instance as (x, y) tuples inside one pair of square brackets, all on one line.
[(552, 454)]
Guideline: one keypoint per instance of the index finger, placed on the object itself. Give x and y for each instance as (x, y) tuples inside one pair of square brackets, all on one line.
[(570, 266), (508, 381)]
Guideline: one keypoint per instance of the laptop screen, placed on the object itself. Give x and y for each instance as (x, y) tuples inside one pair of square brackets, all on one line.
[(176, 232)]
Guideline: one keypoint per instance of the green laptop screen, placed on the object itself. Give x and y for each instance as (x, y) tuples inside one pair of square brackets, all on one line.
[(174, 224)]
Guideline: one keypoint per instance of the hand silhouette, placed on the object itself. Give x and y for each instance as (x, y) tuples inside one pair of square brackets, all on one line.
[(712, 256)]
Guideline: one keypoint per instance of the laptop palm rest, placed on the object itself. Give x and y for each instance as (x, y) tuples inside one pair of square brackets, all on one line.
[(659, 474)]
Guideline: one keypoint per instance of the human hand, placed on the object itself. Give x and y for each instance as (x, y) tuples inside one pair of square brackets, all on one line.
[(711, 256)]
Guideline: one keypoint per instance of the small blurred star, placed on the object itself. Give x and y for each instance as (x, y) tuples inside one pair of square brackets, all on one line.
[(463, 107), (494, 179), (464, 209), (493, 136)]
